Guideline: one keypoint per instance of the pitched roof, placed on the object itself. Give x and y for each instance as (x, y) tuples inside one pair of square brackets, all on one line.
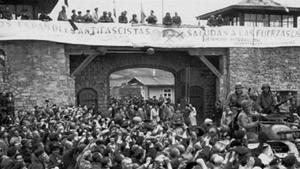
[(153, 81), (265, 5), (260, 3)]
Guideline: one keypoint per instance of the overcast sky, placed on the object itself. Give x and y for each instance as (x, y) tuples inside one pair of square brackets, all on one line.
[(187, 9)]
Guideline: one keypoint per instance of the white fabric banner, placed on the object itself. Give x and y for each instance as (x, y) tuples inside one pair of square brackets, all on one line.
[(114, 34)]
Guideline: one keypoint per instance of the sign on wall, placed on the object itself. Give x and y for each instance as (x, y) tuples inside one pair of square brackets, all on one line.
[(114, 34)]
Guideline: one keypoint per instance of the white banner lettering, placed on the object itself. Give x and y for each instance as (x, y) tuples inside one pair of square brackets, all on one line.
[(114, 34)]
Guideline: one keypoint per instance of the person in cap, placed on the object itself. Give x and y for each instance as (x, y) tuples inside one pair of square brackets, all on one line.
[(104, 17), (152, 19), (110, 18), (266, 100), (79, 17), (88, 18), (134, 19), (74, 15), (176, 20), (245, 122), (167, 20), (95, 15), (234, 99), (62, 15), (123, 18)]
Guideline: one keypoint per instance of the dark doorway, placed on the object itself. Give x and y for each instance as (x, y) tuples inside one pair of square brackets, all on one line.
[(196, 99), (87, 97)]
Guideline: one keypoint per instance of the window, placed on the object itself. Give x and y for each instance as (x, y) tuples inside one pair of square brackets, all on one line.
[(275, 21), (250, 19), (262, 20), (265, 20), (235, 21), (167, 93), (287, 21)]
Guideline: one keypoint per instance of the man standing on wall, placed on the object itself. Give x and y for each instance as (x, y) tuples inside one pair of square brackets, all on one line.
[(62, 15)]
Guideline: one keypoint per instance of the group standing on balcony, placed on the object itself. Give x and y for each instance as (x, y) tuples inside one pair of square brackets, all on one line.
[(95, 17)]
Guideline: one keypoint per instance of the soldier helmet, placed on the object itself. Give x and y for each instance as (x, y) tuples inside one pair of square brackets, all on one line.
[(238, 85), (245, 104), (265, 85)]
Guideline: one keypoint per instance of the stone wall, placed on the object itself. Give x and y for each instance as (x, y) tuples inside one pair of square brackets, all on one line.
[(96, 74), (39, 71), (280, 67)]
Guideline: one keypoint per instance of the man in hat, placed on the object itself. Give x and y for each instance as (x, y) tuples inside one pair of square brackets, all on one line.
[(74, 16), (167, 20), (235, 98), (266, 101), (104, 17), (79, 17), (88, 18), (152, 19), (176, 19), (62, 15), (233, 107), (123, 17), (110, 18), (96, 16)]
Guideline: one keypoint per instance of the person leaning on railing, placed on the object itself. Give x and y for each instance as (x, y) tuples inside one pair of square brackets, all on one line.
[(176, 20), (134, 19), (62, 15), (123, 18), (44, 17), (167, 20), (152, 19), (6, 14)]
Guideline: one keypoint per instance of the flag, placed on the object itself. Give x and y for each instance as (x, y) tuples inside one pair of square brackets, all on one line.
[(114, 10), (67, 3), (143, 15), (73, 25)]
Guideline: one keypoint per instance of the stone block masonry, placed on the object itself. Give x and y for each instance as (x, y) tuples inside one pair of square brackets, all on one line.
[(38, 71), (280, 67), (96, 74)]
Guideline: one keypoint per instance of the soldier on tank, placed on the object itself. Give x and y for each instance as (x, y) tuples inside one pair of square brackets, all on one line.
[(266, 101), (235, 98)]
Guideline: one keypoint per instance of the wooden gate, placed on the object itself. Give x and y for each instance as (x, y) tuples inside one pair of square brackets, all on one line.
[(87, 97), (196, 99)]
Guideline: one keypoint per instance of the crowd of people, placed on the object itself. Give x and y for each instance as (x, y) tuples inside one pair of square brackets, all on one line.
[(94, 17), (139, 134), (107, 17), (215, 21)]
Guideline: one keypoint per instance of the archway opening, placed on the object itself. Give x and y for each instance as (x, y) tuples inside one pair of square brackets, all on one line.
[(147, 83)]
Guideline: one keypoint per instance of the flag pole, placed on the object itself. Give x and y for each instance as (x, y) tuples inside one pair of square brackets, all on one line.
[(143, 15), (162, 9), (114, 9)]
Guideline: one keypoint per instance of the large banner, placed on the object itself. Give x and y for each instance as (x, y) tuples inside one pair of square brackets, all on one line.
[(114, 34)]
